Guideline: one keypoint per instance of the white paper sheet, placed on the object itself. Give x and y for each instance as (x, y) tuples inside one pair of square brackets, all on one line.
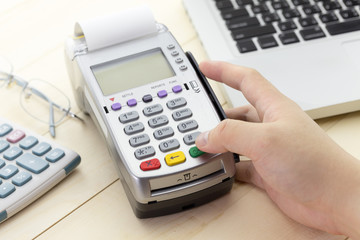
[(115, 28)]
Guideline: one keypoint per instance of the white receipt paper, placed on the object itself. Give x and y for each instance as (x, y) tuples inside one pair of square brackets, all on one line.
[(115, 28)]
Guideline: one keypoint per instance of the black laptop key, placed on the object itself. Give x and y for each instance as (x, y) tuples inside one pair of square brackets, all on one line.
[(308, 21), (290, 13), (300, 2), (351, 3), (244, 2), (312, 33), (267, 42), (244, 22), (280, 4), (343, 27), (328, 17), (286, 26), (311, 9), (349, 13), (288, 38), (253, 32), (331, 5), (270, 17), (234, 13), (245, 46), (260, 8), (224, 4)]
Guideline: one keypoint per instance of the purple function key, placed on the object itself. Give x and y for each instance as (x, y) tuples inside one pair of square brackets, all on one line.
[(177, 89), (131, 102), (162, 93), (116, 106)]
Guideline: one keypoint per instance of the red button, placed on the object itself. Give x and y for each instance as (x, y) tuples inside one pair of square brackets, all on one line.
[(150, 164), (15, 136)]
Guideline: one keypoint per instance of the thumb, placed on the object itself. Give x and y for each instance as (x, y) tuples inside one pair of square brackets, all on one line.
[(231, 136)]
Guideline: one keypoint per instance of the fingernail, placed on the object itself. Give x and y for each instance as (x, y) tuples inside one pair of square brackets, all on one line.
[(202, 139)]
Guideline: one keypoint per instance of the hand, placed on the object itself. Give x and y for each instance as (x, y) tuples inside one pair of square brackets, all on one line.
[(309, 177)]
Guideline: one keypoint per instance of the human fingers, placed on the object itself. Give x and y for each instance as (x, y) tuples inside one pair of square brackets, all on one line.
[(245, 113), (231, 136), (257, 90)]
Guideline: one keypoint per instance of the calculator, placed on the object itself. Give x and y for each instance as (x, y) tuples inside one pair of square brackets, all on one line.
[(150, 101), (30, 165)]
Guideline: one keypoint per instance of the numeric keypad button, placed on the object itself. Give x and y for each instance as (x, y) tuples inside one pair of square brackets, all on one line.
[(158, 121), (134, 128), (163, 133), (187, 126), (152, 110), (189, 139), (182, 114), (169, 145), (139, 140), (176, 103), (128, 117), (144, 152)]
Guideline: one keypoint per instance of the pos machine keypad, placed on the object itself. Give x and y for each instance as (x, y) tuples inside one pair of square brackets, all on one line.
[(163, 134)]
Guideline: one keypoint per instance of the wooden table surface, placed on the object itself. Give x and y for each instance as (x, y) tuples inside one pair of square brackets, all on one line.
[(91, 203)]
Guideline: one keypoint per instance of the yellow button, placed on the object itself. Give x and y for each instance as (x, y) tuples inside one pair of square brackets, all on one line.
[(175, 158)]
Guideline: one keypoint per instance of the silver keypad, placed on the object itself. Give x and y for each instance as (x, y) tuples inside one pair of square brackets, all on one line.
[(134, 128), (176, 103), (158, 121), (144, 152), (187, 126), (152, 110), (163, 133), (182, 114), (128, 117), (169, 145), (189, 139), (139, 140)]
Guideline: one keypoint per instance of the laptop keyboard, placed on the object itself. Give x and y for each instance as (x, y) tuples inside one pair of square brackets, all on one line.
[(272, 23)]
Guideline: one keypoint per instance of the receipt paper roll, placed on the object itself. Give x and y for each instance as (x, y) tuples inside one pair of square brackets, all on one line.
[(116, 28)]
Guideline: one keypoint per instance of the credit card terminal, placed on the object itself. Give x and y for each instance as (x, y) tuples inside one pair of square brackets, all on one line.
[(150, 101)]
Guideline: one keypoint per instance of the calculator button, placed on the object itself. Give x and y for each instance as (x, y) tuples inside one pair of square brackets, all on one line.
[(183, 67), (41, 149), (150, 164), (6, 189), (12, 153), (5, 129), (176, 103), (171, 46), (21, 178), (169, 145), (152, 110), (28, 142), (15, 136), (128, 117), (2, 163), (190, 138), (139, 140), (174, 53), (179, 60), (158, 121), (8, 171), (195, 152), (132, 102), (182, 114), (187, 126), (134, 128), (4, 145), (55, 155), (175, 158), (32, 163), (116, 106), (147, 98), (177, 89), (144, 152), (162, 93), (163, 133)]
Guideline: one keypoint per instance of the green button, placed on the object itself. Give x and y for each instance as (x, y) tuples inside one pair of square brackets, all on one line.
[(195, 152)]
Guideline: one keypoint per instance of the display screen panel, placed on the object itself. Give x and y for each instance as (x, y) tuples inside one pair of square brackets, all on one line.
[(131, 72)]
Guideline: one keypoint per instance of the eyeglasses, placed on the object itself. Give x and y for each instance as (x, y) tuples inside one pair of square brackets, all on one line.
[(33, 99)]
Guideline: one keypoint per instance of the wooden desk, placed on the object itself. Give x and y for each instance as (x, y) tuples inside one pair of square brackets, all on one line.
[(91, 203)]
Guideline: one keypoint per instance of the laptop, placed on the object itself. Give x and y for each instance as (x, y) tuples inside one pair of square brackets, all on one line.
[(309, 49)]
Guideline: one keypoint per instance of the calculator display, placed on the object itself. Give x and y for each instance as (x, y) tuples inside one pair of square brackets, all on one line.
[(133, 71)]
